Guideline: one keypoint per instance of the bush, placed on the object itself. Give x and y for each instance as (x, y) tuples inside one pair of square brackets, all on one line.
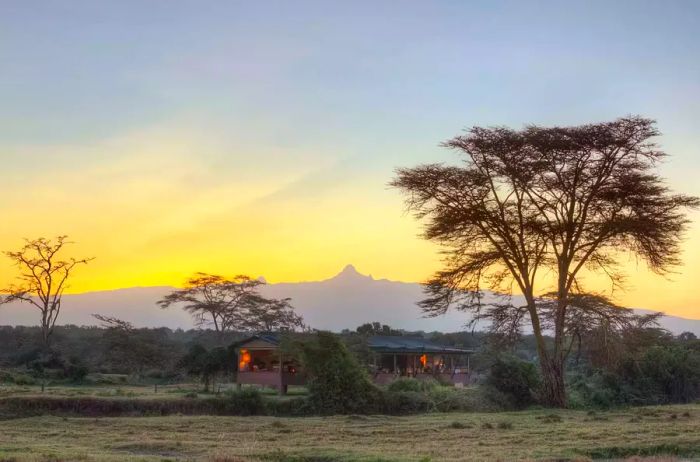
[(290, 407), (18, 378), (518, 380), (337, 383), (75, 370), (411, 384), (406, 402), (248, 401), (451, 399), (663, 374)]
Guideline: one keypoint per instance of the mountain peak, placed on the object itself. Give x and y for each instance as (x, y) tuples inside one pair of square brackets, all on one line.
[(350, 273)]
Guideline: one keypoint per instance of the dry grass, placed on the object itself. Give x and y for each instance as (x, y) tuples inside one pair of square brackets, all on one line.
[(648, 432)]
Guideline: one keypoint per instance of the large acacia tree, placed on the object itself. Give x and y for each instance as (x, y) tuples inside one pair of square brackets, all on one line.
[(534, 210), (232, 304)]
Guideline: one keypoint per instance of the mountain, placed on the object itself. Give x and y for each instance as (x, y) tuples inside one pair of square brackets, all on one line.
[(343, 301)]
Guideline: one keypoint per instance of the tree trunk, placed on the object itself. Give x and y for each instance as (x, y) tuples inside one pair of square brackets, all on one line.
[(551, 363), (553, 388)]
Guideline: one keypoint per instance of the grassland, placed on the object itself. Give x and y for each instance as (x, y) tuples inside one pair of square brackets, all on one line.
[(174, 391), (534, 434)]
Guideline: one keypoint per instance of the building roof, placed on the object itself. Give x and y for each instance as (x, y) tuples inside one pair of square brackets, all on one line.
[(377, 343), (272, 338), (398, 344)]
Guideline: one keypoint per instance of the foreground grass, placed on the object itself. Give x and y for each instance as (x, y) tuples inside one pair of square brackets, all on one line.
[(172, 391), (650, 431)]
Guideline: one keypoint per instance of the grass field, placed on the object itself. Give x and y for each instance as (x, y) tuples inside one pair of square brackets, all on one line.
[(175, 391), (649, 431)]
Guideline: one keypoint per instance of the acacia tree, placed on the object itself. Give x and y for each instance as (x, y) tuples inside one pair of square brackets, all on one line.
[(536, 209), (273, 315), (43, 278), (232, 304)]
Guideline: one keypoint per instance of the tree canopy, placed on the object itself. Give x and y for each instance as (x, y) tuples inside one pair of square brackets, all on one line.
[(533, 210), (232, 304)]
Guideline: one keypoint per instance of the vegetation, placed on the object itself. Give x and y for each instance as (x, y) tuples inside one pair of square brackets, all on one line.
[(337, 383), (516, 379), (559, 201), (232, 304), (525, 435), (43, 277)]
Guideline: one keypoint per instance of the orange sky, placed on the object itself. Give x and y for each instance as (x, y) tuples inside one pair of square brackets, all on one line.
[(151, 218)]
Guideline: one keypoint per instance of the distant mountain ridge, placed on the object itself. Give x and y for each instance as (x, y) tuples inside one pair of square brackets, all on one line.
[(341, 302)]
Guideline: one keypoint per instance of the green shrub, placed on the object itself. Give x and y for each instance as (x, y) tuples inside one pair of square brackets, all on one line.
[(18, 378), (411, 384), (406, 402), (290, 407), (247, 401), (337, 383), (75, 370), (451, 399), (516, 379)]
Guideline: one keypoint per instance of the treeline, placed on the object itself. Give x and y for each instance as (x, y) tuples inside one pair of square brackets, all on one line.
[(143, 352), (156, 353), (644, 365)]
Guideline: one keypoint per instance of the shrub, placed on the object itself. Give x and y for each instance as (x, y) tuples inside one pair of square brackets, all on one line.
[(337, 383), (406, 402), (662, 374), (290, 407), (248, 401), (451, 399), (75, 370), (517, 379), (17, 378), (411, 384)]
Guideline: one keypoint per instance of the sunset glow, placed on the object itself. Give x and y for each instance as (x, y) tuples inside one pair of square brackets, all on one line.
[(265, 148)]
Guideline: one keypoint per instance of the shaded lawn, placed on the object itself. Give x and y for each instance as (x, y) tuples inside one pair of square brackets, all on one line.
[(535, 434)]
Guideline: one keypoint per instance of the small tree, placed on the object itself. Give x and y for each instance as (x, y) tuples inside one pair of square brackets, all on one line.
[(129, 349), (544, 201), (337, 383), (43, 278), (208, 365)]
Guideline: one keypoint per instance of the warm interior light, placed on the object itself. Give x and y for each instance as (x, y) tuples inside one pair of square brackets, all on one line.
[(244, 360), (423, 360)]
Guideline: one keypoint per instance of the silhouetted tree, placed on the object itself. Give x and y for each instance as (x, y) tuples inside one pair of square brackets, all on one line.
[(272, 315), (215, 300), (43, 278), (232, 304), (544, 201)]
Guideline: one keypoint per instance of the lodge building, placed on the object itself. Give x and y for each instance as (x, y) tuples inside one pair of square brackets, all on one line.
[(262, 362)]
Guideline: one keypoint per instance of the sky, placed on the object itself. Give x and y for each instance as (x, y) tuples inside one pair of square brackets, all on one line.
[(168, 137)]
